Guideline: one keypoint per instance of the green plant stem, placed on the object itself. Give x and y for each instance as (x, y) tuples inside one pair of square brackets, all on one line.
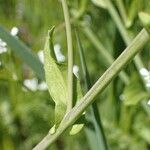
[(123, 13), (137, 60), (81, 10), (115, 16), (127, 39), (76, 17), (104, 53), (128, 54), (92, 112), (70, 55)]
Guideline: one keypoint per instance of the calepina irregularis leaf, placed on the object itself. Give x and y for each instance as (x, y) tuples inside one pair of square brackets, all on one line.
[(56, 78)]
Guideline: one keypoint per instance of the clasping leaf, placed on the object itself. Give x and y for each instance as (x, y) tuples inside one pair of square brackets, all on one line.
[(56, 75)]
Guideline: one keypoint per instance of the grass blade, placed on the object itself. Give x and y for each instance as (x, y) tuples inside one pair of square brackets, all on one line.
[(23, 52), (98, 134)]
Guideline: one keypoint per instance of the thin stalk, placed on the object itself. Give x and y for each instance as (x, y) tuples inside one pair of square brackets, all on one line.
[(115, 16), (83, 6), (92, 112), (124, 33), (80, 13), (104, 53), (70, 55), (128, 54), (137, 60), (123, 13)]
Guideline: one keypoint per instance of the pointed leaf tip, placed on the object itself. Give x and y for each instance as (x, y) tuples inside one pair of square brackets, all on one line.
[(51, 31)]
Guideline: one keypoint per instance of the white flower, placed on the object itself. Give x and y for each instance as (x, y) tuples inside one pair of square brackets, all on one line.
[(76, 71), (122, 97), (57, 50), (148, 102), (3, 50), (57, 47), (144, 72), (42, 86), (3, 45), (41, 56), (14, 31), (59, 56), (31, 84), (148, 84), (146, 76)]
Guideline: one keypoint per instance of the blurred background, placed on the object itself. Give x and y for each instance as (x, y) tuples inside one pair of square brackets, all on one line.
[(26, 109)]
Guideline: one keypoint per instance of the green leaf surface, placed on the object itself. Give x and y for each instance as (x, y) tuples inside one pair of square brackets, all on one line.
[(95, 135), (145, 19), (23, 52), (56, 75), (145, 134), (100, 3), (134, 92), (135, 7)]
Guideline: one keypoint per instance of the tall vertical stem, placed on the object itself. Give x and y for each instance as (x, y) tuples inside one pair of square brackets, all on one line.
[(70, 54)]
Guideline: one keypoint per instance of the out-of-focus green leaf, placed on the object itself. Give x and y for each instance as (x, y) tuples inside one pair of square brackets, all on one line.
[(7, 143), (100, 3), (145, 134), (145, 19), (55, 74), (95, 134), (134, 92), (135, 7), (23, 52), (142, 127)]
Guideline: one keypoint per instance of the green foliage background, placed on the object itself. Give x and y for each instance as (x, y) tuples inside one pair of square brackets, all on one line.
[(26, 116)]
